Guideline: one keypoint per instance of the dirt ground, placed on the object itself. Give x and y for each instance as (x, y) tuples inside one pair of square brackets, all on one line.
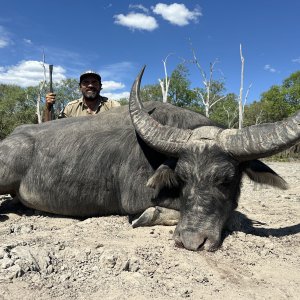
[(50, 257)]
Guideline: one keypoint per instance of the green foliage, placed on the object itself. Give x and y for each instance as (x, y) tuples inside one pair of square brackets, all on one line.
[(274, 105), (216, 92), (279, 102), (123, 101), (18, 105), (16, 108), (291, 91), (225, 111), (254, 114), (180, 93), (151, 93), (66, 90)]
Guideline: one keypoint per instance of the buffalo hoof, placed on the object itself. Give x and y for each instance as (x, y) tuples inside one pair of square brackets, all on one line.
[(157, 216)]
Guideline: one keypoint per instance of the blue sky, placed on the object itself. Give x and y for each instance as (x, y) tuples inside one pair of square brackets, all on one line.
[(116, 38)]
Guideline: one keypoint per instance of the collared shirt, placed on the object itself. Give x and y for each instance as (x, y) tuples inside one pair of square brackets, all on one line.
[(78, 108)]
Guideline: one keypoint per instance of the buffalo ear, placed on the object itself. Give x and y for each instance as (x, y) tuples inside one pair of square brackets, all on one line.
[(261, 173), (164, 176)]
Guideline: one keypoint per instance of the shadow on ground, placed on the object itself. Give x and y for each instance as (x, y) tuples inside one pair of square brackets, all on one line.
[(239, 222)]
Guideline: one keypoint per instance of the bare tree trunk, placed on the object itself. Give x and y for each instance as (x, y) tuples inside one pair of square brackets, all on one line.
[(242, 103), (165, 83), (241, 90), (231, 115), (38, 112), (42, 85), (206, 98), (258, 117)]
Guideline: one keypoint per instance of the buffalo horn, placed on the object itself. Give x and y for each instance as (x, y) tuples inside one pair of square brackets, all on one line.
[(163, 138), (249, 143), (263, 140)]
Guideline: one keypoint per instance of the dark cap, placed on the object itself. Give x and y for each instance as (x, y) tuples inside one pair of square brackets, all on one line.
[(90, 73)]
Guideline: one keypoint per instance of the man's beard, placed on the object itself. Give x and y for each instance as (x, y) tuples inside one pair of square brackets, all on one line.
[(91, 95)]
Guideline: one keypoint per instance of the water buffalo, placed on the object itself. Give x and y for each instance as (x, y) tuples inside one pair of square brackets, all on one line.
[(161, 163)]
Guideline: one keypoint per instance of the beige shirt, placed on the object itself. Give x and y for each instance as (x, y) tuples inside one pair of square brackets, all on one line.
[(78, 108)]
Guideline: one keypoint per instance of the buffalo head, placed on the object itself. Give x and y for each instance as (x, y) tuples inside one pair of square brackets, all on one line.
[(210, 165)]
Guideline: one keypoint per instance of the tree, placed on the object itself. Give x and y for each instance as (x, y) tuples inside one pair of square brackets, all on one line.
[(254, 114), (291, 91), (66, 90), (208, 98), (165, 83), (277, 103), (180, 93), (225, 112), (15, 108), (19, 105), (274, 105), (242, 101), (124, 101), (151, 93)]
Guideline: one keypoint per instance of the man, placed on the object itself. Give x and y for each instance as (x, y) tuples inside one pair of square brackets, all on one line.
[(89, 104)]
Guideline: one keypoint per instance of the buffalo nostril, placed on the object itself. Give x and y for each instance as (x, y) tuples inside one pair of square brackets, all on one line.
[(211, 245), (202, 246)]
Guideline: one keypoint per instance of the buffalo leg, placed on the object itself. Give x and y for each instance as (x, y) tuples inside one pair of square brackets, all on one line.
[(157, 216), (6, 178), (15, 154)]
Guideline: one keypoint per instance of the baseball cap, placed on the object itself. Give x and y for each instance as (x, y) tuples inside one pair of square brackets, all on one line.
[(90, 73)]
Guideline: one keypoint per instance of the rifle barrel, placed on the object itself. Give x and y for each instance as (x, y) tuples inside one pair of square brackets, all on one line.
[(50, 78), (52, 114)]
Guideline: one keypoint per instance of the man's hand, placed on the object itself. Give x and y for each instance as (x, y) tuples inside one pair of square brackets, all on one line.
[(50, 100)]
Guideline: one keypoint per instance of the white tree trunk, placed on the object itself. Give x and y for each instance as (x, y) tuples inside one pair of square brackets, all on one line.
[(207, 99), (42, 85), (38, 111), (241, 90), (165, 83)]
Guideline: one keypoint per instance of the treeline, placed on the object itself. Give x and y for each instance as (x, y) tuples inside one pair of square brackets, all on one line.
[(279, 102), (19, 105)]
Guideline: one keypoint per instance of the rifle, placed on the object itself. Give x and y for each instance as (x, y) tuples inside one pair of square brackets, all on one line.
[(52, 115)]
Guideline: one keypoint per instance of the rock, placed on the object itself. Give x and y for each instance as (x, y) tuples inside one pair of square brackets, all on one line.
[(132, 265), (65, 277), (186, 293), (50, 269), (30, 259), (95, 269), (17, 228), (2, 252), (108, 260), (14, 271), (6, 263)]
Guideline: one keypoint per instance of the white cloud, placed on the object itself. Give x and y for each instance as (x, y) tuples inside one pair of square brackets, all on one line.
[(296, 60), (3, 43), (4, 38), (28, 73), (27, 41), (112, 85), (116, 96), (139, 6), (176, 13), (136, 21), (270, 69)]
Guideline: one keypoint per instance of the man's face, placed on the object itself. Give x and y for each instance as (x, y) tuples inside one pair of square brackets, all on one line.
[(90, 87)]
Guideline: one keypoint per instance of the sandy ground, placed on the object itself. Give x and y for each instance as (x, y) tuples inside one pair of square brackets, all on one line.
[(49, 257)]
